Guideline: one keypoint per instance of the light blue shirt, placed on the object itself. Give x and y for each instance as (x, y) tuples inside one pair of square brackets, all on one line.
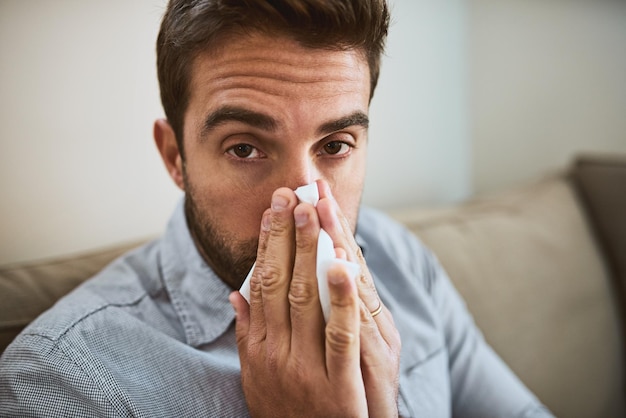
[(153, 335)]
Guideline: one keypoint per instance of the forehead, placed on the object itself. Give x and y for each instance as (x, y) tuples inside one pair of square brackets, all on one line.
[(277, 66)]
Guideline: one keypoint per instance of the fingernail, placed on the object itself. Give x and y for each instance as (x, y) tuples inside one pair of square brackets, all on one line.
[(279, 202), (301, 218), (338, 277), (335, 278), (350, 271), (265, 222)]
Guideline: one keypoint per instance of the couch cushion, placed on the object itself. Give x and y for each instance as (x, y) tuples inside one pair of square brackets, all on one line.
[(28, 289), (531, 274)]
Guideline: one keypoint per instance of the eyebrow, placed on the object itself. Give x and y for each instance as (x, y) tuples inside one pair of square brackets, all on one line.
[(265, 122), (227, 114), (357, 118)]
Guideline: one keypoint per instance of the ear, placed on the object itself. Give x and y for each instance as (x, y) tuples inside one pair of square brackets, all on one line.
[(165, 140)]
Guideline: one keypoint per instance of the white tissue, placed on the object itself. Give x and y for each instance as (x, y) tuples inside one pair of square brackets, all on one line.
[(308, 194), (325, 256)]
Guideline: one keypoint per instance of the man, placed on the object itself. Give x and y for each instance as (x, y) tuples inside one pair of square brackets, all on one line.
[(261, 98)]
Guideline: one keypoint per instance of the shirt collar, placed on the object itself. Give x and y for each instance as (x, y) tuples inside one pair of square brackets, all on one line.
[(198, 295)]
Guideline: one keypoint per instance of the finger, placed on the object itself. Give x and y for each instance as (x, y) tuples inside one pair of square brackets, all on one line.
[(323, 188), (277, 263), (307, 321), (342, 330), (333, 222), (337, 223), (242, 324), (380, 350), (266, 222), (373, 335), (373, 328), (256, 312)]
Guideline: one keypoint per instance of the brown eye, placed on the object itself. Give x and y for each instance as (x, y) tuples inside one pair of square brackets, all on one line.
[(336, 148), (243, 151)]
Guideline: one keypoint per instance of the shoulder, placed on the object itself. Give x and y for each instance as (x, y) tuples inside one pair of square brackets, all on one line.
[(122, 283), (65, 348)]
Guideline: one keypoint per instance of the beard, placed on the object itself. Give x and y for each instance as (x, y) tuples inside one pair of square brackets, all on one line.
[(230, 259)]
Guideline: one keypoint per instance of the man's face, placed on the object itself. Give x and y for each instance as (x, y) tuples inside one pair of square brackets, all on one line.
[(263, 113)]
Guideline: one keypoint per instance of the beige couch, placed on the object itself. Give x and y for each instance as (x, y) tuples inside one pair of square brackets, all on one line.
[(542, 269)]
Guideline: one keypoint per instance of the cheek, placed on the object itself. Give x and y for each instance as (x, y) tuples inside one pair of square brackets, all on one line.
[(350, 202), (233, 208), (240, 214), (347, 190), (347, 186)]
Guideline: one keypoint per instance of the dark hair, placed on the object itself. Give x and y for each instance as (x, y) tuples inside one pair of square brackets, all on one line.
[(192, 26)]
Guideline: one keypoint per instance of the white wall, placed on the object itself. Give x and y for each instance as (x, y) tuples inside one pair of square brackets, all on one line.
[(547, 81), (78, 95), (419, 137)]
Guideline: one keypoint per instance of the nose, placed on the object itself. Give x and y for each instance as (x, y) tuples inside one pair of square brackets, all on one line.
[(300, 171)]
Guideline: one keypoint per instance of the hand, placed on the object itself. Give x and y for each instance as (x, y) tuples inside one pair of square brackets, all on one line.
[(379, 339), (292, 364)]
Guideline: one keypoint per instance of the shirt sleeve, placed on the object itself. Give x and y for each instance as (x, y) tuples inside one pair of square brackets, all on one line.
[(482, 384), (38, 379)]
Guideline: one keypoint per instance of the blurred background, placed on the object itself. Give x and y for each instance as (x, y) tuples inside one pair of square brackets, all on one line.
[(475, 96)]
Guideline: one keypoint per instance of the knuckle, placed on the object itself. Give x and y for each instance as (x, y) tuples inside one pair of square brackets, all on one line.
[(301, 292), (280, 226), (270, 276), (255, 284), (273, 362), (364, 280), (340, 340), (306, 242), (345, 302)]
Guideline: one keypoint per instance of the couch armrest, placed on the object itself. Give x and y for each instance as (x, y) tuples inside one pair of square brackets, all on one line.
[(601, 185)]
